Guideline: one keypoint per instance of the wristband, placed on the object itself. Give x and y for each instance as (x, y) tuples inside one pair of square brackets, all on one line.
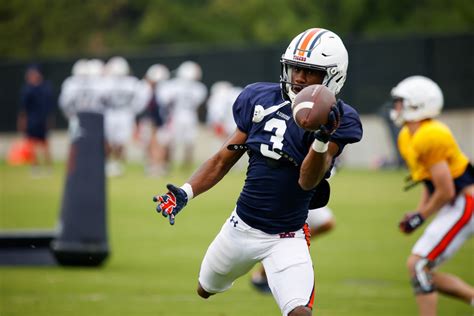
[(188, 189), (319, 146)]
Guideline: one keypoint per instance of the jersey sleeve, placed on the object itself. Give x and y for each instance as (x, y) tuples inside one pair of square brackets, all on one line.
[(243, 111), (350, 131), (434, 145)]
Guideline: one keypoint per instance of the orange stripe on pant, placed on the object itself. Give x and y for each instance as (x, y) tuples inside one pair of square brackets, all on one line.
[(311, 299), (306, 41), (451, 234), (307, 234)]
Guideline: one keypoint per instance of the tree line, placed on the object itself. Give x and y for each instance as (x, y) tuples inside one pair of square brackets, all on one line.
[(65, 28)]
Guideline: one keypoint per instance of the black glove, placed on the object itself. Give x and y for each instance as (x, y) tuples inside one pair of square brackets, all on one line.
[(172, 202), (323, 134), (410, 222)]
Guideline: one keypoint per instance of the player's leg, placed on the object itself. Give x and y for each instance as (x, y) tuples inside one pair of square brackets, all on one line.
[(189, 139), (290, 274), (424, 289), (452, 285), (452, 226), (231, 255), (320, 221)]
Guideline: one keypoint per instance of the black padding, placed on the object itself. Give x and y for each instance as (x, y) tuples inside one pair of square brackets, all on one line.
[(321, 195)]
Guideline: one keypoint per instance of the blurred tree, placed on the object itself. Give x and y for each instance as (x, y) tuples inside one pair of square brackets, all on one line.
[(46, 28)]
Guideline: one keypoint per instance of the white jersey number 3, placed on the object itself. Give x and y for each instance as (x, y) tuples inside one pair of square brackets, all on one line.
[(278, 127)]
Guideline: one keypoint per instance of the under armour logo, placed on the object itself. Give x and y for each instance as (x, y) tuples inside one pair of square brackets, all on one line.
[(233, 221)]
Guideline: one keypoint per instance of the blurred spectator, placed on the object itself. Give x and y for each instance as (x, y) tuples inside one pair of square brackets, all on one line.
[(151, 120), (182, 96), (34, 119)]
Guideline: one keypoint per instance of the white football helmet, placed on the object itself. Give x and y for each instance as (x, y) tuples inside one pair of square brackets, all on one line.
[(189, 70), (318, 49), (117, 66), (80, 68), (421, 99), (220, 86), (157, 72), (95, 67)]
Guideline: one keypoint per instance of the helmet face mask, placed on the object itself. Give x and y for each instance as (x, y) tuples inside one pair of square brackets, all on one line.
[(316, 49), (418, 98)]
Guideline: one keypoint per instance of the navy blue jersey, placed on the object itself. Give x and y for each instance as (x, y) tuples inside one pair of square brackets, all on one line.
[(271, 199)]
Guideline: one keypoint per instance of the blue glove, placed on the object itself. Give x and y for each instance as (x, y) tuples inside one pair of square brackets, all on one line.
[(171, 203), (323, 134), (410, 222)]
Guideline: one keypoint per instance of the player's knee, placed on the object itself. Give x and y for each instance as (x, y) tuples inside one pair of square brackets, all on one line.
[(300, 311), (421, 275), (202, 292), (411, 263)]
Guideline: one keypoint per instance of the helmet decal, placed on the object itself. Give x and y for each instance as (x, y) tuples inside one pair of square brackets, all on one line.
[(315, 34)]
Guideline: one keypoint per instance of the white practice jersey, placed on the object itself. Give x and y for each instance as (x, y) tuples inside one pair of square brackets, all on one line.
[(219, 108), (125, 97), (182, 98), (126, 93), (82, 94)]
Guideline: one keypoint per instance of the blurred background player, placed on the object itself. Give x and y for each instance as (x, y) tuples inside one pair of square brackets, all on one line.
[(219, 108), (434, 158), (181, 97), (219, 116), (34, 118), (151, 120), (125, 96), (83, 91)]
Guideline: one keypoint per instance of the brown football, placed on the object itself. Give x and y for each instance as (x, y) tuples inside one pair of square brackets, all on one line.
[(312, 105)]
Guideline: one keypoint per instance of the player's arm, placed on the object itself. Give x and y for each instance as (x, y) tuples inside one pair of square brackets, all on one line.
[(315, 165), (205, 177), (444, 192), (216, 167), (322, 151)]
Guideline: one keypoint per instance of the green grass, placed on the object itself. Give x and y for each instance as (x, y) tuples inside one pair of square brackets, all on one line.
[(153, 267)]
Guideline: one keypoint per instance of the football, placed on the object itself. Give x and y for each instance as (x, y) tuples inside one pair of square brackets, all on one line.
[(311, 106)]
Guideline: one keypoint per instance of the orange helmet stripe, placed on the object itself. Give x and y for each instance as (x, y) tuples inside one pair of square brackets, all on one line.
[(307, 38)]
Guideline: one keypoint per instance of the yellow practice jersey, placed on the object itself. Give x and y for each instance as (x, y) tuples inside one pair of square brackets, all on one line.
[(433, 142)]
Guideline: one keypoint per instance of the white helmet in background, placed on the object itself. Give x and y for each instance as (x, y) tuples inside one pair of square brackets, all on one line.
[(220, 86), (189, 70), (157, 72), (117, 66), (421, 99), (95, 67), (80, 68), (317, 49)]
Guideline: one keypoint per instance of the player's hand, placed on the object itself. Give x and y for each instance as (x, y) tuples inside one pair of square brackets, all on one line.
[(325, 131), (410, 222), (171, 203)]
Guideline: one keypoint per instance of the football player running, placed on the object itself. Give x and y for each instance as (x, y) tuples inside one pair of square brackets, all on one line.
[(286, 164), (434, 158)]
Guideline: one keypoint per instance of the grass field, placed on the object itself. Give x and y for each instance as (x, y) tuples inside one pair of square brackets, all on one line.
[(153, 267)]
